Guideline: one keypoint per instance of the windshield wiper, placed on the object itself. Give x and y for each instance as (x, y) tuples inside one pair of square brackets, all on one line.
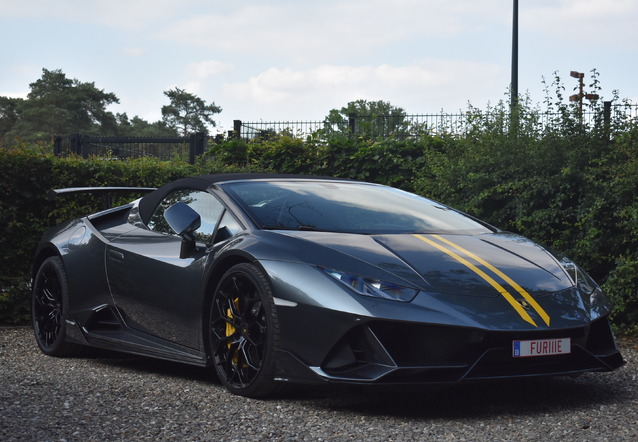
[(300, 227)]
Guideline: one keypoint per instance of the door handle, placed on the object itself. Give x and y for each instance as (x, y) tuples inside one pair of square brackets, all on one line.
[(114, 254)]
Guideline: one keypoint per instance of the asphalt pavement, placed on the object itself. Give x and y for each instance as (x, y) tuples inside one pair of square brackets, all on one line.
[(111, 397)]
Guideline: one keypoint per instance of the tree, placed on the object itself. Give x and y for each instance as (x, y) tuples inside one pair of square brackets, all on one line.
[(8, 115), (372, 119), (58, 105), (188, 113), (138, 127)]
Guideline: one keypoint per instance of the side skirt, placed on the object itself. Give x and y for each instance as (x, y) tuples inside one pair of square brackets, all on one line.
[(107, 330)]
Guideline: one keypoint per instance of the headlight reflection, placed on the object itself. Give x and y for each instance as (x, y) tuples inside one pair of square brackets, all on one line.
[(373, 287)]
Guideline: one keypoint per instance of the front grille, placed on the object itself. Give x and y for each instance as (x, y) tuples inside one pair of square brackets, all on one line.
[(424, 345)]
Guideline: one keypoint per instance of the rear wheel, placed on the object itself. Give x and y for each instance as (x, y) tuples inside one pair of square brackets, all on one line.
[(244, 331), (49, 309)]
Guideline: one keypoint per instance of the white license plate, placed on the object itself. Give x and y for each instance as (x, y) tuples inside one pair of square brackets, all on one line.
[(541, 347)]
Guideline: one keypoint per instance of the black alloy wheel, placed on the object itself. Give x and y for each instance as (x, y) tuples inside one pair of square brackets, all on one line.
[(49, 306), (244, 331)]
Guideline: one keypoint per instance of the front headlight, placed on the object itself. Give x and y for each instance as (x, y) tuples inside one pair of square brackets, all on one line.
[(580, 278), (373, 287), (590, 292)]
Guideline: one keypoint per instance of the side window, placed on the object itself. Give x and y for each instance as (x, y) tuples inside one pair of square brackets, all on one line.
[(208, 207)]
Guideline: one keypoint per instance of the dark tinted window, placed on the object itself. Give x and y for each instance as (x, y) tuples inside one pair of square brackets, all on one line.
[(346, 207)]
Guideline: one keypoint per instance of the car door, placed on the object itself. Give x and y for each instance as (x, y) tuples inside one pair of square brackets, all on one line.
[(157, 291)]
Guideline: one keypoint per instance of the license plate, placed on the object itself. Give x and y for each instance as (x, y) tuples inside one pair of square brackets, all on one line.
[(541, 347)]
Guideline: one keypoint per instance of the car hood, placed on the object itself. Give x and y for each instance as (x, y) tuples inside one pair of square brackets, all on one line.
[(469, 265)]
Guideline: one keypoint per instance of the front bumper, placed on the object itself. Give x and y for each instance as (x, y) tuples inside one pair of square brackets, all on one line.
[(386, 352)]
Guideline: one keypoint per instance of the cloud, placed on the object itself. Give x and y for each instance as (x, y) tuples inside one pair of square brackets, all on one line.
[(201, 70), (22, 71), (125, 14), (582, 21), (133, 51), (286, 59), (14, 94), (196, 77), (289, 92), (293, 31)]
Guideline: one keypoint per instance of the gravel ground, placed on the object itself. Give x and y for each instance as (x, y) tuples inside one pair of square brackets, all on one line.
[(114, 397)]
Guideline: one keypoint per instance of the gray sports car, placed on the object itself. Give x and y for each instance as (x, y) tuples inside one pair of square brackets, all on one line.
[(274, 279)]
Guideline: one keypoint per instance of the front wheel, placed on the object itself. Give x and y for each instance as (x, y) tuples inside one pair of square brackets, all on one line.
[(49, 309), (244, 331)]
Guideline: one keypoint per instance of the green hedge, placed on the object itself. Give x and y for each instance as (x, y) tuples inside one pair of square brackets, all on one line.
[(26, 177), (568, 187)]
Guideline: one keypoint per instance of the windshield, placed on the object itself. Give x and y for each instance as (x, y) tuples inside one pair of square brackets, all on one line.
[(348, 207)]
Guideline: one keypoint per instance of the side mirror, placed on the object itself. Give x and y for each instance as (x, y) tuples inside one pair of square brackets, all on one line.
[(184, 221)]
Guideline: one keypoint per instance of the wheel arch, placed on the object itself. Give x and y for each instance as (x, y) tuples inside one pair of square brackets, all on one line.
[(42, 254), (214, 276)]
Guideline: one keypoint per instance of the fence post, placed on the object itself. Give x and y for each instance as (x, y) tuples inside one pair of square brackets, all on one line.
[(73, 142), (57, 145), (201, 142), (196, 148), (237, 128), (77, 145), (192, 145), (84, 142)]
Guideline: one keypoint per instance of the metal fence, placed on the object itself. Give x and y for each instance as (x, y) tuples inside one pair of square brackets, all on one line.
[(264, 130), (132, 147), (407, 126), (398, 127), (359, 125), (628, 112)]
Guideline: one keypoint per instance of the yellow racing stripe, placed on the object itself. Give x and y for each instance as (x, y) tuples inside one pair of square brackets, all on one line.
[(499, 288), (505, 278)]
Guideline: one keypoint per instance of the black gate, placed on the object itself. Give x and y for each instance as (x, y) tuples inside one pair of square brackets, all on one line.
[(166, 148)]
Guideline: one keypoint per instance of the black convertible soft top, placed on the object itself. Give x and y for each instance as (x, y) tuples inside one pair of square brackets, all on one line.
[(203, 182)]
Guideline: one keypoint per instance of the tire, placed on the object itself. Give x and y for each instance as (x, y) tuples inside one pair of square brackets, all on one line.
[(244, 332), (49, 309)]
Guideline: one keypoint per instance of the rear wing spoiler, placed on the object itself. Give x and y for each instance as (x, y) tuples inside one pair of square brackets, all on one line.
[(105, 192)]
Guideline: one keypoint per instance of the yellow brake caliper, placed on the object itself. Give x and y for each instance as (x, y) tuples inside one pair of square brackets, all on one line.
[(230, 329)]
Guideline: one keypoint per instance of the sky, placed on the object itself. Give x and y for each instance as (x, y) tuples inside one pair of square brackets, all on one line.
[(295, 60)]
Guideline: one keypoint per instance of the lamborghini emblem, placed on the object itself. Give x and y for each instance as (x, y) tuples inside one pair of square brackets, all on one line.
[(526, 305)]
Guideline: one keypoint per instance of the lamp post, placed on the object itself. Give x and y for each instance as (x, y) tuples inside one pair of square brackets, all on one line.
[(514, 81), (580, 95)]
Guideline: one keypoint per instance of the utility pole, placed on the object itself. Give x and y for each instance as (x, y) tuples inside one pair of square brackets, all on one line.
[(514, 80), (514, 83)]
